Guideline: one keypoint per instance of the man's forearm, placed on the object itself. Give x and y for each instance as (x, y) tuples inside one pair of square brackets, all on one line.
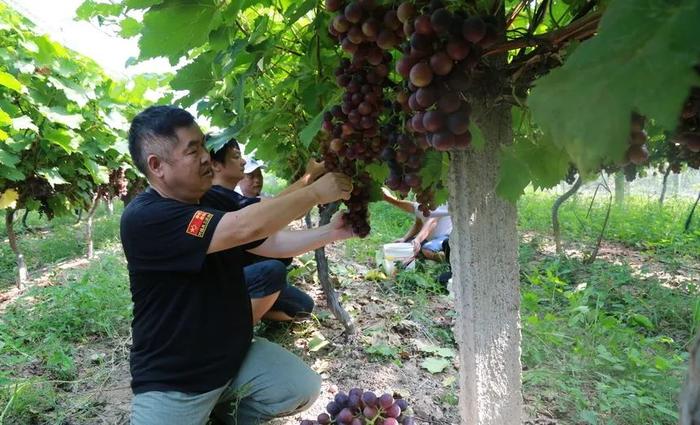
[(284, 243)]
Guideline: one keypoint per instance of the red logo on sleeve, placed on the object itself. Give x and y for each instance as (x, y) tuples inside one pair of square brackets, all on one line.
[(198, 224)]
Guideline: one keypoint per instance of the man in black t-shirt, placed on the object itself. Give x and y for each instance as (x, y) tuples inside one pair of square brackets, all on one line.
[(285, 302), (193, 350)]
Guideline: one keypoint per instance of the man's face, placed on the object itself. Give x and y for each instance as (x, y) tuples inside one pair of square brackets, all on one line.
[(232, 170), (187, 170), (252, 183)]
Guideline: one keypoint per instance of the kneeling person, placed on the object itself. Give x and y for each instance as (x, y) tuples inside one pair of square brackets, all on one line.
[(193, 351), (291, 302)]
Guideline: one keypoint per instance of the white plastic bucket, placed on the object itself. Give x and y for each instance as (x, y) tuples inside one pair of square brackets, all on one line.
[(400, 252)]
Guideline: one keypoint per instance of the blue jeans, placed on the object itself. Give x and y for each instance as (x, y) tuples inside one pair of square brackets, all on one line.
[(269, 276), (272, 382)]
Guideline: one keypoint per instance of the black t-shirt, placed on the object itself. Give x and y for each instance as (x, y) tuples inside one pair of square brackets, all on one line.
[(226, 199), (192, 323)]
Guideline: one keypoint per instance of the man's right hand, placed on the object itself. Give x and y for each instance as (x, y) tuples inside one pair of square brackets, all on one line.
[(332, 187)]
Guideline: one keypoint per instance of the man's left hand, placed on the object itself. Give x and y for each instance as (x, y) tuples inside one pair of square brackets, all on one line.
[(341, 228)]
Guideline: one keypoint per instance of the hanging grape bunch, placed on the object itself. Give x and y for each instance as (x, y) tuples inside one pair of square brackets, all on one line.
[(364, 408), (365, 31), (117, 185), (637, 153), (688, 134), (405, 155), (443, 50)]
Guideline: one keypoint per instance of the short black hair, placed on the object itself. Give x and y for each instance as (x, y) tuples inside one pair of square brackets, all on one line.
[(152, 129), (219, 155)]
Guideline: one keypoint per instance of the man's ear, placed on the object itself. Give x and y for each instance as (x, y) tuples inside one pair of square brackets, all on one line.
[(217, 166), (155, 165)]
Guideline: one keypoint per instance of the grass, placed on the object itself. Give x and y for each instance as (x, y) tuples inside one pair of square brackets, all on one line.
[(42, 331), (56, 240), (639, 223)]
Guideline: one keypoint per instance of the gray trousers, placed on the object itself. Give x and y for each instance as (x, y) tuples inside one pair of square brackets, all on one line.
[(272, 382)]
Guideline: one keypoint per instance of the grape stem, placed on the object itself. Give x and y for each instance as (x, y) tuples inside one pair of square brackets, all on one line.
[(580, 29)]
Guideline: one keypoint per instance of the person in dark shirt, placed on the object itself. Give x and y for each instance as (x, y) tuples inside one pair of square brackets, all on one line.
[(193, 351), (287, 302)]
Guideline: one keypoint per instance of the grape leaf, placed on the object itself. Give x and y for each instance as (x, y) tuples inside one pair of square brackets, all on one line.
[(89, 9), (142, 4), (173, 28), (130, 27), (8, 199), (297, 10), (435, 364), (9, 81), (541, 163), (59, 115), (66, 139), (196, 77), (8, 159), (53, 176), (24, 123), (312, 128), (378, 172), (642, 59), (5, 118)]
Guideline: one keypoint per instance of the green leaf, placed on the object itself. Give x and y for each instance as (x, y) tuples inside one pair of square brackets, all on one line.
[(100, 174), (541, 162), (130, 27), (89, 9), (3, 136), (312, 128), (317, 342), (196, 77), (436, 164), (24, 123), (378, 172), (5, 118), (66, 139), (215, 142), (59, 115), (642, 320), (52, 176), (435, 364), (11, 173), (9, 81), (8, 159), (141, 4), (173, 28), (642, 59), (297, 10)]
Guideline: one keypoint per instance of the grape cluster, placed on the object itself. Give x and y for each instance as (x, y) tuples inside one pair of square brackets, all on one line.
[(687, 135), (37, 188), (364, 408), (366, 32), (405, 155), (117, 185), (443, 50), (637, 152)]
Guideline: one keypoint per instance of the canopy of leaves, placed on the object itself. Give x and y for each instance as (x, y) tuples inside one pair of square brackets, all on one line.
[(262, 69), (62, 120), (641, 60)]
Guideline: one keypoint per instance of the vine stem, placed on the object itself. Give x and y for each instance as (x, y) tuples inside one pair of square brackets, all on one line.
[(583, 28), (555, 213)]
